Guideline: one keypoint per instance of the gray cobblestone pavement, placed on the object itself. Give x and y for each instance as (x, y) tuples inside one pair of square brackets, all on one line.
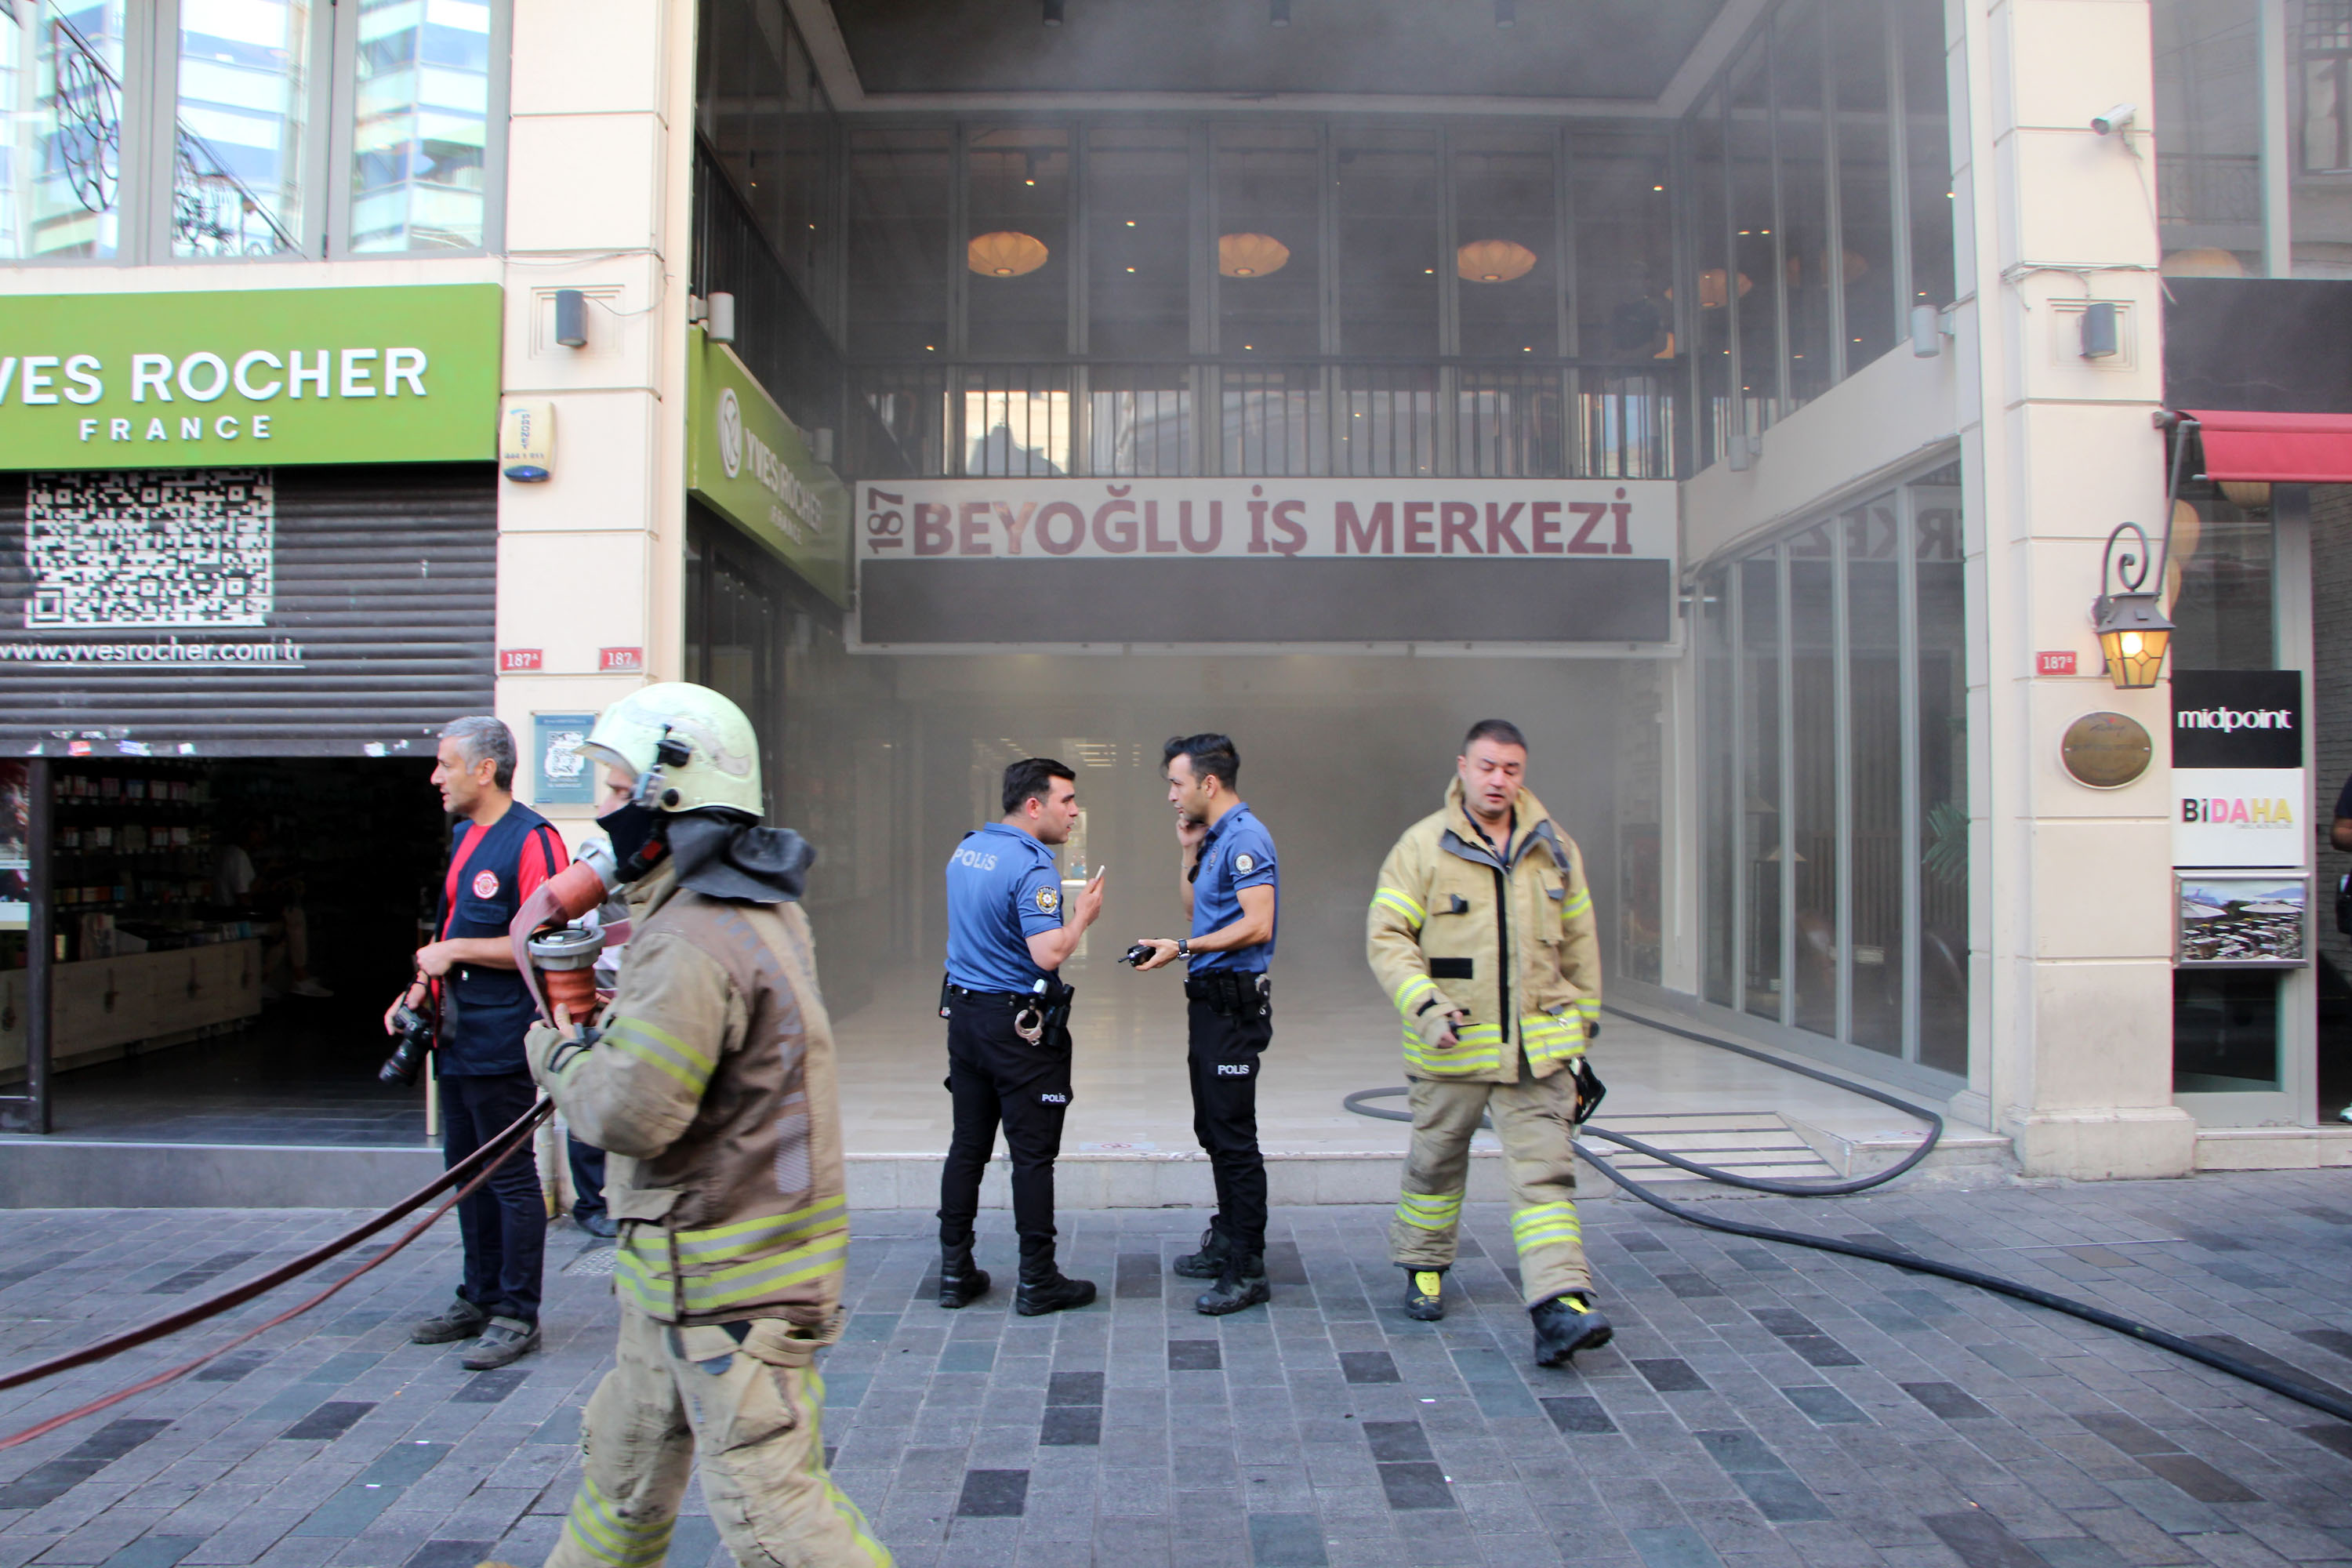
[(1761, 1406)]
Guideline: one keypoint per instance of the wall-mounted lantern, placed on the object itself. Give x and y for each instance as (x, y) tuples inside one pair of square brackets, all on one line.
[(2131, 623)]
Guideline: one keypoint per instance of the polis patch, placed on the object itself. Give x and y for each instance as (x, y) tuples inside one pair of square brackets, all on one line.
[(1245, 863), (1048, 899)]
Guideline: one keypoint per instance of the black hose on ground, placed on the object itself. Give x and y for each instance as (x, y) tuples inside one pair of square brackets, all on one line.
[(2147, 1334)]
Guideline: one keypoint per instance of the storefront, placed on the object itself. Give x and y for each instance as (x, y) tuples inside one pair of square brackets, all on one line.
[(255, 572)]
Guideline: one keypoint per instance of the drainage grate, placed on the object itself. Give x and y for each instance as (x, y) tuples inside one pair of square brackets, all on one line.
[(593, 1260)]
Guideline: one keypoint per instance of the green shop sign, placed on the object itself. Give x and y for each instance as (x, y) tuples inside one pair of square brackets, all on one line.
[(748, 462), (250, 376)]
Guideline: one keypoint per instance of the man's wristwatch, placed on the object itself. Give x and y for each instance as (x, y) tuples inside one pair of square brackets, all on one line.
[(1184, 947)]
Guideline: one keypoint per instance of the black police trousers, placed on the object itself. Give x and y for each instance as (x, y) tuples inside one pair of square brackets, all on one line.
[(998, 1078), (1223, 1061), (503, 1225)]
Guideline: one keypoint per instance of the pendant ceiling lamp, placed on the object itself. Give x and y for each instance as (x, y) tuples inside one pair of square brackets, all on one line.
[(1251, 255), (1494, 260), (1007, 253)]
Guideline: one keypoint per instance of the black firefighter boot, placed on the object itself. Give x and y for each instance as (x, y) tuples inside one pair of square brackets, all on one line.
[(1241, 1284), (1045, 1289), (960, 1282), (1567, 1324), (1208, 1263)]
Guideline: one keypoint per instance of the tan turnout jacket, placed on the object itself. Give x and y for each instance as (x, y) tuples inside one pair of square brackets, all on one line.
[(712, 1087), (1509, 941)]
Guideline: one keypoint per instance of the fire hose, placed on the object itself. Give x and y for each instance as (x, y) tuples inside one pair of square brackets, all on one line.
[(2188, 1348), (557, 968)]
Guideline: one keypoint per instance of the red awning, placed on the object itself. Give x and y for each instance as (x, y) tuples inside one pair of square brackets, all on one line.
[(2294, 448)]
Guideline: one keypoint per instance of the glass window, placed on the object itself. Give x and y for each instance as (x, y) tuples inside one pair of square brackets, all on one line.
[(898, 241), (1640, 787), (2319, 101), (1507, 243), (1928, 153), (1621, 197), (1809, 261), (1759, 751), (421, 93), (2225, 1031), (1812, 851), (806, 228), (1942, 725), (1138, 216), (1719, 781), (1016, 258), (2220, 582), (1753, 246), (238, 169), (1876, 849), (1709, 318), (1390, 242), (63, 167), (1866, 176), (2207, 125), (1268, 197)]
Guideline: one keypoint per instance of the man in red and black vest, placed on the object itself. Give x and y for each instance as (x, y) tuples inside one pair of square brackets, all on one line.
[(500, 852)]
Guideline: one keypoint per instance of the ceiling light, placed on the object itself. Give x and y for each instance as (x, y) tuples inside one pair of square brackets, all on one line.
[(1007, 253), (1053, 13), (1657, 187), (1494, 260), (1507, 13), (1278, 13), (1251, 255), (1130, 269), (1130, 223)]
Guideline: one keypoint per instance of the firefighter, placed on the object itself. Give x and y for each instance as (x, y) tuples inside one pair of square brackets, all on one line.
[(711, 1086), (1481, 932)]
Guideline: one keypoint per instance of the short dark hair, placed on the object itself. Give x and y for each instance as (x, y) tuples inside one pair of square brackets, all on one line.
[(1033, 778), (479, 736), (1501, 730), (1208, 754)]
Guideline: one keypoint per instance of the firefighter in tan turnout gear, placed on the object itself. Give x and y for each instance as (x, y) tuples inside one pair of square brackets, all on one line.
[(711, 1084), (1481, 932)]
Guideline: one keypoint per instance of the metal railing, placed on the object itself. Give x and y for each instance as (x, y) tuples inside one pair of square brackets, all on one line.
[(1562, 419)]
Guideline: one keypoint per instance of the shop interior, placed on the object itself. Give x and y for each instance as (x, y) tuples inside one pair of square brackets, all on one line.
[(225, 935)]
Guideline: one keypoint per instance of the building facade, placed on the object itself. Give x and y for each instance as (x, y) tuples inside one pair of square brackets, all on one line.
[(1744, 402)]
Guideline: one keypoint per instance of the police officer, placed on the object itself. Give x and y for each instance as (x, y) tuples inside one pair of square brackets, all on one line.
[(1008, 1029), (1228, 886), (500, 852)]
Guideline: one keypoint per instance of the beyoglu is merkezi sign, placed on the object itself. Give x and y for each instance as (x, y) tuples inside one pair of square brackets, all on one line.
[(407, 374), (1143, 518)]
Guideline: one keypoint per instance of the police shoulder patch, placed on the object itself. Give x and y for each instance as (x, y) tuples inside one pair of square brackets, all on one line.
[(1049, 899), (1245, 863)]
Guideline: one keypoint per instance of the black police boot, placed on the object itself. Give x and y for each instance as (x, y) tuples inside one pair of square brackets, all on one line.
[(1208, 1263), (1567, 1324), (1425, 1300), (1241, 1284), (960, 1282), (1050, 1292)]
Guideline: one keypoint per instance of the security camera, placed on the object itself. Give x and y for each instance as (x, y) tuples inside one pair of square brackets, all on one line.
[(2113, 120)]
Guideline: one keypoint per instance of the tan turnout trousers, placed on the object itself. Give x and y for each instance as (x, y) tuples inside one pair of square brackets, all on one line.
[(1534, 1120), (752, 1409)]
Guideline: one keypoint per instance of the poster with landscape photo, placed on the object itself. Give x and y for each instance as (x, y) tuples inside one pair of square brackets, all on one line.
[(2242, 922)]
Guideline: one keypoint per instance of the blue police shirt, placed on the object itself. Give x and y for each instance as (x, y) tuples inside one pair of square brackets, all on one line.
[(1237, 854), (1002, 890)]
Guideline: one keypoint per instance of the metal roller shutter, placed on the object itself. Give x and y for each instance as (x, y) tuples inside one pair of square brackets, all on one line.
[(246, 613)]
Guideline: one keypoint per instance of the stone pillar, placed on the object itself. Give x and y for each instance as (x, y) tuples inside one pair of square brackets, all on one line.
[(2072, 887)]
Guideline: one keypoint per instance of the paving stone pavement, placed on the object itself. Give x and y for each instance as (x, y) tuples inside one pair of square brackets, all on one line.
[(1761, 1406)]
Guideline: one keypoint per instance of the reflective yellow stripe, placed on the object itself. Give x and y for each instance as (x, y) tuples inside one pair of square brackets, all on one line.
[(658, 1048), (1545, 1225), (1479, 1050), (1389, 897), (1429, 1211), (1549, 1039), (598, 1528), (1579, 902), (647, 1282), (1411, 989), (1589, 1009), (760, 1279), (723, 1243)]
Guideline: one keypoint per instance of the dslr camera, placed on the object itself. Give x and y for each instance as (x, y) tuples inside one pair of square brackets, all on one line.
[(414, 1033)]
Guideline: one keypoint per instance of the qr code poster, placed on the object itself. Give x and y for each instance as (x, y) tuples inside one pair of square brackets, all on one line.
[(152, 549)]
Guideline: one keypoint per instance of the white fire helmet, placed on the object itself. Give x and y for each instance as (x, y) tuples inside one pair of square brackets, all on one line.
[(720, 767)]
